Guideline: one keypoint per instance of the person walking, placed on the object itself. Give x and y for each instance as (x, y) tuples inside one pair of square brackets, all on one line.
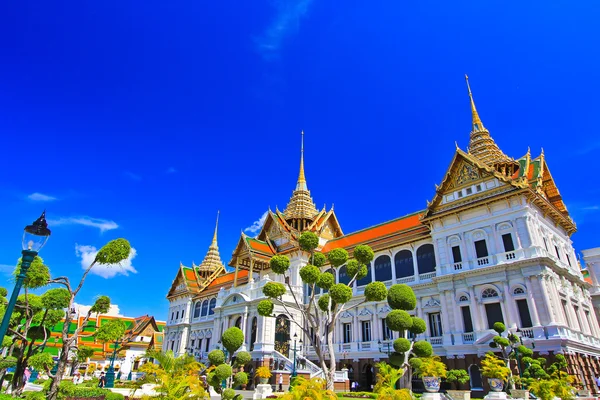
[(102, 381), (280, 382), (598, 383)]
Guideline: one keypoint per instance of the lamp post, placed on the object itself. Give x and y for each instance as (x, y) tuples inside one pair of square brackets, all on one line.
[(110, 374), (34, 238), (224, 382), (381, 346), (132, 361)]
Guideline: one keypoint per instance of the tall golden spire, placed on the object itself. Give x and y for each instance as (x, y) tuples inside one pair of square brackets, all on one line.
[(477, 124), (214, 241), (301, 184), (212, 261), (301, 206), (481, 144)]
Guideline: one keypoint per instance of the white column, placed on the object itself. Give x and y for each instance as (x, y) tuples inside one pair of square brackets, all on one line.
[(355, 331), (475, 312), (510, 307), (535, 318), (393, 267), (458, 327), (445, 315)]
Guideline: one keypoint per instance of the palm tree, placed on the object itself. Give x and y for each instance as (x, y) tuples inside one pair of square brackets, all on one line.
[(178, 378), (387, 376)]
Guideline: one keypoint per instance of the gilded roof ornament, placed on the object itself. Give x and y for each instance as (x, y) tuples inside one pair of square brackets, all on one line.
[(212, 260), (301, 205)]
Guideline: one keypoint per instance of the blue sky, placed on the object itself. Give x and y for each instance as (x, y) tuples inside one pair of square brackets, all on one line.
[(142, 119)]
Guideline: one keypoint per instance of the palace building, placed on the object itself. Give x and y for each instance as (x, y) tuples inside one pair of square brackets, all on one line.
[(493, 244)]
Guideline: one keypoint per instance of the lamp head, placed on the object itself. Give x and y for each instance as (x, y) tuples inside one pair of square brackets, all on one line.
[(36, 234)]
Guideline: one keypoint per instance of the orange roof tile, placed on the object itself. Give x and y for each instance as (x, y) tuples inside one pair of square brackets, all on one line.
[(259, 246), (374, 232), (224, 279)]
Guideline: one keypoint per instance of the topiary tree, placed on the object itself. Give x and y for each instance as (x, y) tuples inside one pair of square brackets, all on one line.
[(321, 313), (222, 366), (509, 348), (457, 377)]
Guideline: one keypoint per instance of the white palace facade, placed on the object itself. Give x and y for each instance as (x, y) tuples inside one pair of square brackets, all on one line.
[(492, 245)]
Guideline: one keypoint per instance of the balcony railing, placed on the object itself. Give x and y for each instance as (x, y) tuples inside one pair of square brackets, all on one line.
[(483, 261), (427, 275), (468, 337), (407, 279), (436, 340), (458, 266)]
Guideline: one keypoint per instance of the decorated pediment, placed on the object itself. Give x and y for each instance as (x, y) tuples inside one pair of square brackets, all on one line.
[(432, 302), (365, 311)]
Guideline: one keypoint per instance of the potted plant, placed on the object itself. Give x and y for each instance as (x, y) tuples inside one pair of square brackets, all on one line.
[(495, 370), (431, 370), (263, 374), (458, 377)]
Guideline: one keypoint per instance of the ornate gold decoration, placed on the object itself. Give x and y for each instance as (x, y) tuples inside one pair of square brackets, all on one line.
[(212, 261), (466, 173)]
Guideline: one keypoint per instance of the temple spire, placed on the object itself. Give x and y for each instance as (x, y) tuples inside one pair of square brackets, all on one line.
[(477, 124), (212, 261), (214, 241), (301, 184)]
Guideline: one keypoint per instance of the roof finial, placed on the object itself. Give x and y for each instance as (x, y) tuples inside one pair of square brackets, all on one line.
[(214, 241), (477, 124), (301, 185)]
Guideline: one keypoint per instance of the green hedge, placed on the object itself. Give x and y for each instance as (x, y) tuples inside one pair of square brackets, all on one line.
[(359, 395)]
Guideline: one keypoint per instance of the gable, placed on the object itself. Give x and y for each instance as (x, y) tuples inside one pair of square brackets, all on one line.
[(179, 285)]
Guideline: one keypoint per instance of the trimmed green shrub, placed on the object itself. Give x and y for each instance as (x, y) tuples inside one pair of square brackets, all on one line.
[(232, 339), (340, 293), (241, 378), (30, 396), (402, 297), (364, 254), (310, 274), (422, 349), (113, 252), (216, 357), (113, 396), (375, 291), (418, 326), (279, 264), (499, 327), (352, 267), (265, 307), (324, 302), (308, 241), (223, 371), (398, 320), (274, 290), (402, 345), (326, 280), (337, 257), (242, 358), (319, 260), (362, 272)]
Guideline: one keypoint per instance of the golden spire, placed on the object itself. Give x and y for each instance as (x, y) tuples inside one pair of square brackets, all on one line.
[(214, 241), (301, 185), (481, 144), (212, 261)]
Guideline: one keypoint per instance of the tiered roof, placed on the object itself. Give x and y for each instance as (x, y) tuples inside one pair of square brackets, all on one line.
[(301, 205)]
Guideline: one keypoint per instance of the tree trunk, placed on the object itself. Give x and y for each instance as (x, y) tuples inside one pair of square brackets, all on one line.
[(62, 363), (332, 364)]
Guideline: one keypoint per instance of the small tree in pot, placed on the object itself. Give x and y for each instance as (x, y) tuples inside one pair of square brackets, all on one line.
[(495, 370), (430, 370), (458, 377)]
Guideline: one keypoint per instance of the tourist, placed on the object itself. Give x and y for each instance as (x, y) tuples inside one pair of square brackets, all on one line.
[(102, 381), (598, 382), (280, 382)]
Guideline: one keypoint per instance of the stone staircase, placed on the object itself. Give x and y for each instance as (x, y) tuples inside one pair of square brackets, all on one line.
[(282, 363)]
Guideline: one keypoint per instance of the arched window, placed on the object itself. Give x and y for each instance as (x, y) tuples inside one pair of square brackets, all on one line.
[(475, 377), (463, 298), (489, 293), (197, 309), (204, 308), (211, 306), (426, 259), (344, 277), (238, 322), (383, 268), (253, 331), (518, 290), (367, 279), (404, 264)]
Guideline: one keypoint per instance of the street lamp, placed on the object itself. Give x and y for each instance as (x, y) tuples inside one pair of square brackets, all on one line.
[(110, 374), (294, 373), (34, 238), (387, 346)]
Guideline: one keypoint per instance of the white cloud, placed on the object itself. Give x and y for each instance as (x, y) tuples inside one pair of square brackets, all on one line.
[(256, 225), (40, 197), (102, 224), (7, 269), (88, 254), (113, 311), (289, 13), (132, 176)]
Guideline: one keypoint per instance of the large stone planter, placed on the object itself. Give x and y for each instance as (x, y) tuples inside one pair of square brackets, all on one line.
[(459, 394), (262, 391), (496, 385), (263, 381), (431, 383), (520, 394)]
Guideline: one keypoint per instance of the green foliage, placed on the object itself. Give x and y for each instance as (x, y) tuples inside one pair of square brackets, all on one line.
[(393, 394), (418, 326), (457, 376), (319, 260), (3, 292), (387, 376), (499, 327), (37, 275), (274, 290), (493, 367), (310, 274), (265, 308), (340, 293), (8, 362), (308, 241), (524, 351), (84, 352), (323, 302), (402, 345), (216, 357), (422, 349), (362, 272), (501, 341), (396, 359), (363, 254), (279, 264), (113, 252), (223, 371), (113, 396), (375, 291), (337, 257), (352, 268), (241, 378), (58, 298), (415, 363), (232, 339), (30, 396), (402, 297), (326, 280), (398, 320), (41, 361), (431, 366), (110, 331), (228, 394), (101, 305), (305, 389), (242, 358)]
